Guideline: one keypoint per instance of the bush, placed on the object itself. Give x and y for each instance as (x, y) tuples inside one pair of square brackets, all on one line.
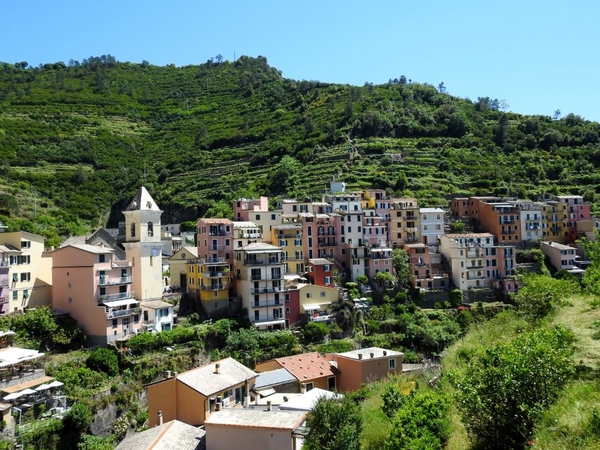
[(104, 360), (78, 418), (315, 332)]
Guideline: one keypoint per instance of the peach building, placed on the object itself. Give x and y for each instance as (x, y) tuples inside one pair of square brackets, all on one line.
[(367, 365), (289, 238), (421, 267), (215, 240), (96, 290), (577, 211), (404, 221), (192, 396)]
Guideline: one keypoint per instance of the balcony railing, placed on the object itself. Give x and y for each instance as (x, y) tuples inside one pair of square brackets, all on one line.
[(117, 296), (122, 263), (326, 233), (253, 262), (114, 313), (267, 318), (264, 290), (276, 276), (104, 281), (215, 274), (327, 244), (215, 287), (267, 304), (4, 263), (219, 233), (289, 235)]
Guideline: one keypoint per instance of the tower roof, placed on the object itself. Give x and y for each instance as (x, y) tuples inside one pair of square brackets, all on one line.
[(143, 201)]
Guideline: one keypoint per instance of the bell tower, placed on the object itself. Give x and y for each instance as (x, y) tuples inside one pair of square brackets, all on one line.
[(143, 246)]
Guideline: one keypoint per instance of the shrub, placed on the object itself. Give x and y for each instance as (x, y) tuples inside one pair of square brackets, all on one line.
[(78, 418), (104, 360), (315, 332)]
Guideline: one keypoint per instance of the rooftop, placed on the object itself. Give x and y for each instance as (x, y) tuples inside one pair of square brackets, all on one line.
[(207, 381), (97, 249), (156, 304), (366, 353), (273, 378), (217, 221), (14, 355), (307, 401), (319, 262), (431, 210), (173, 435), (255, 418), (244, 224), (307, 366), (143, 201), (469, 235), (261, 246)]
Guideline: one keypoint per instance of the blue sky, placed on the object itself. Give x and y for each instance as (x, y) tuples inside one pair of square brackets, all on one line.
[(537, 55)]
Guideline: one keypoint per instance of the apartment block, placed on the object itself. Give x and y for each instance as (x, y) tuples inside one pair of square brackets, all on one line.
[(425, 275), (554, 221), (530, 214), (432, 225), (215, 240), (404, 222), (577, 211), (476, 261), (562, 257), (502, 219), (289, 238), (260, 272), (208, 280)]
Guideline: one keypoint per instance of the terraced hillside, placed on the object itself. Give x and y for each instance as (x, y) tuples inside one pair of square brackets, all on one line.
[(84, 136)]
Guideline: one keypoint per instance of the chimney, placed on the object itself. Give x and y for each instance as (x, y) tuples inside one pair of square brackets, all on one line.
[(385, 353), (268, 405), (247, 402), (360, 356), (218, 403), (175, 374), (168, 374), (160, 418), (218, 368), (372, 355), (302, 388)]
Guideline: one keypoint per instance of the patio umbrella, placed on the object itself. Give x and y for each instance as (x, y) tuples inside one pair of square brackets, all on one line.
[(42, 387), (27, 392), (13, 396), (56, 384)]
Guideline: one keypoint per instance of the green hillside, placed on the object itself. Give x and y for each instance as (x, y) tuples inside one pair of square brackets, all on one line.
[(77, 140)]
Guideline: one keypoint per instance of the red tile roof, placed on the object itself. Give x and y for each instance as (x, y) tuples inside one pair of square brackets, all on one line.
[(307, 366)]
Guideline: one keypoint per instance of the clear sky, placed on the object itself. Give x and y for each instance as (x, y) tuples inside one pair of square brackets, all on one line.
[(538, 55)]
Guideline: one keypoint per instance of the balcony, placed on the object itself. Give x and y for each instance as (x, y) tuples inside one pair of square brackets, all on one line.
[(117, 296), (475, 276), (217, 248), (275, 276), (219, 233), (114, 313), (289, 235), (119, 264), (293, 258), (254, 262), (215, 287), (105, 281), (264, 290), (327, 244), (268, 319), (267, 304), (411, 239), (476, 266), (509, 231), (3, 300), (215, 274)]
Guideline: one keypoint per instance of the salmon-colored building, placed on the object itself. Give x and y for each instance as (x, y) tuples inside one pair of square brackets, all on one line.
[(367, 365), (254, 429), (320, 272), (310, 369), (192, 396), (95, 289), (215, 240)]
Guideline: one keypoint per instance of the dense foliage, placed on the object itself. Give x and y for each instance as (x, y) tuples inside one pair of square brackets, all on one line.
[(506, 387), (77, 138), (334, 423)]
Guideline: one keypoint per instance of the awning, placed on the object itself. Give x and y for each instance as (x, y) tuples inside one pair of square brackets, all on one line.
[(14, 396), (269, 323), (312, 307), (121, 302)]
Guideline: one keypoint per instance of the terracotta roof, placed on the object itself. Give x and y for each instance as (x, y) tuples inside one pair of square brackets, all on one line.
[(307, 366), (215, 221)]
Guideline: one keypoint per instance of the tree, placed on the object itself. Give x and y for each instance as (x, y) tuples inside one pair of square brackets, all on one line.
[(505, 387), (383, 279), (541, 294), (104, 360), (556, 114), (402, 268), (78, 418), (334, 423)]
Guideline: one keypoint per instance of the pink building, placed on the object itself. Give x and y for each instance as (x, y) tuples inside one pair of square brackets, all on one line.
[(576, 211), (321, 235), (244, 206), (215, 240), (95, 289), (380, 260), (292, 304)]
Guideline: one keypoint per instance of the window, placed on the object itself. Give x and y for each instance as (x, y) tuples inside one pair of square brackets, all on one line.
[(15, 295), (69, 285), (327, 268), (258, 217), (133, 230), (392, 363), (287, 310), (25, 276), (273, 217), (150, 229), (216, 305), (115, 322), (425, 227), (327, 280), (136, 318), (322, 293), (287, 298), (308, 295), (101, 258), (310, 386), (359, 229)]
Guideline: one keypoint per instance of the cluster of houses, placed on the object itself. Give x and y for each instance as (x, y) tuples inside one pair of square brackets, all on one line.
[(223, 403), (280, 266)]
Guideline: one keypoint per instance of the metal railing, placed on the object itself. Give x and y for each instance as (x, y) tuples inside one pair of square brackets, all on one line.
[(114, 313), (264, 290), (275, 276), (252, 262), (105, 281), (117, 296), (266, 304), (215, 287)]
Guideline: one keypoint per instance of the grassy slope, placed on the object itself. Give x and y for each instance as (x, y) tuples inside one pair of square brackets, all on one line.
[(563, 427)]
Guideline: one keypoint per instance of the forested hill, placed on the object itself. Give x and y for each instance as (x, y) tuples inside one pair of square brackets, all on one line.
[(77, 140)]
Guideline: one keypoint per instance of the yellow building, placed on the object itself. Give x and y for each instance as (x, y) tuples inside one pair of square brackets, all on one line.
[(289, 238), (554, 221), (208, 280), (29, 275)]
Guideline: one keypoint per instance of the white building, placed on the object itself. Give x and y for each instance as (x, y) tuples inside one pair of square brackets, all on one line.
[(432, 225)]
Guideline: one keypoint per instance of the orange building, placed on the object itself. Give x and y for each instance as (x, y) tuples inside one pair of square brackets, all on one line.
[(367, 365), (192, 396)]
